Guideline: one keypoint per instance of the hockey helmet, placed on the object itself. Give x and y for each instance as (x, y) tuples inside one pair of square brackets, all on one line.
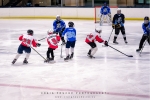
[(58, 17), (118, 11), (70, 24), (98, 30), (146, 20), (105, 4), (50, 31), (30, 32)]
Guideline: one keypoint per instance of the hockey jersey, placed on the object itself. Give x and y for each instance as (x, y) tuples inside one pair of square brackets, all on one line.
[(105, 10), (53, 40), (58, 25), (146, 28), (70, 32), (27, 40), (119, 19), (92, 37)]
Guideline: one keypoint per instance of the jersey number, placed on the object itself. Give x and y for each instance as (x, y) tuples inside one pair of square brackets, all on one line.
[(90, 36), (58, 25), (26, 41), (54, 41)]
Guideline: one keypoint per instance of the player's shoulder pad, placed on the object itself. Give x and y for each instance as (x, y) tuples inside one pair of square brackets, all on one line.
[(62, 21), (122, 14), (116, 15), (54, 21)]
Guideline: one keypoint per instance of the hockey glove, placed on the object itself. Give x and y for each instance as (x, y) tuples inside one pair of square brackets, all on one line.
[(106, 43), (62, 29), (113, 26), (118, 25), (38, 44)]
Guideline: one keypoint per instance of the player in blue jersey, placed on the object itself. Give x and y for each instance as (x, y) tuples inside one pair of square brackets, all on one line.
[(58, 27), (70, 33), (146, 31), (118, 25), (105, 12)]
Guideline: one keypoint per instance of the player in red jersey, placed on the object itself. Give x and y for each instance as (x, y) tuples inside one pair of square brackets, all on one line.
[(91, 38), (52, 40), (27, 40)]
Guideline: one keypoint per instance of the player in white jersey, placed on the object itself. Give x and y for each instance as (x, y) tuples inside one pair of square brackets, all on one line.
[(91, 39), (52, 40), (27, 40)]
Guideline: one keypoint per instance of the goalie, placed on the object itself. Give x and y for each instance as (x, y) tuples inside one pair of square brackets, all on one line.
[(105, 14)]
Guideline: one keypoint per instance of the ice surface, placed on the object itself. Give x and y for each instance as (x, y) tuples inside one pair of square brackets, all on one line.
[(113, 75)]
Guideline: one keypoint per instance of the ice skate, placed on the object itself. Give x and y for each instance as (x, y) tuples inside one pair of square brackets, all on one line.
[(138, 50), (71, 56), (47, 60), (25, 61), (14, 61), (115, 42), (125, 41), (91, 57), (67, 58)]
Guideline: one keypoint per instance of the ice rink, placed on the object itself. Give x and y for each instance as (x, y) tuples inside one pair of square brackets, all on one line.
[(110, 76)]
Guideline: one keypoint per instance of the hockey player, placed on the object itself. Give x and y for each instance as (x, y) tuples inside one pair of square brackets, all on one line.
[(52, 40), (146, 35), (58, 27), (90, 40), (118, 25), (27, 40), (71, 39), (105, 12)]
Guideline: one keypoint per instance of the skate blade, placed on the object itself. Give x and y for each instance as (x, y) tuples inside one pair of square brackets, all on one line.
[(91, 57)]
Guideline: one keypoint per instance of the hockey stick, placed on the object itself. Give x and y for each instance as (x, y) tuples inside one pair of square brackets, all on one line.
[(120, 51), (109, 38), (42, 39), (45, 37), (110, 35), (38, 53), (61, 52)]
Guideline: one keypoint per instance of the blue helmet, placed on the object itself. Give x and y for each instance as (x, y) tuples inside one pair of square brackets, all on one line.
[(105, 4)]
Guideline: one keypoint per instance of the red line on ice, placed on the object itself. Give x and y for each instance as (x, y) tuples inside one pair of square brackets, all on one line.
[(60, 89)]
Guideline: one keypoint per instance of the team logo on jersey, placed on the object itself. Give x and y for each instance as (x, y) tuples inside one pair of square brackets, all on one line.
[(119, 19), (148, 28), (105, 10), (58, 25)]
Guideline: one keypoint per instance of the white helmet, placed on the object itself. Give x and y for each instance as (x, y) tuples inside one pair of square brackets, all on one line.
[(98, 29), (58, 17), (50, 31), (118, 9)]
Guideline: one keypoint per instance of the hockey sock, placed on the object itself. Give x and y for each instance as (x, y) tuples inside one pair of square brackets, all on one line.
[(27, 56), (115, 37), (67, 51), (72, 50), (52, 53), (124, 37), (17, 56), (94, 51)]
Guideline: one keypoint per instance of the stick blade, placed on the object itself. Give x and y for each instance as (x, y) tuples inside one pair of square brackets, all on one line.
[(130, 56)]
